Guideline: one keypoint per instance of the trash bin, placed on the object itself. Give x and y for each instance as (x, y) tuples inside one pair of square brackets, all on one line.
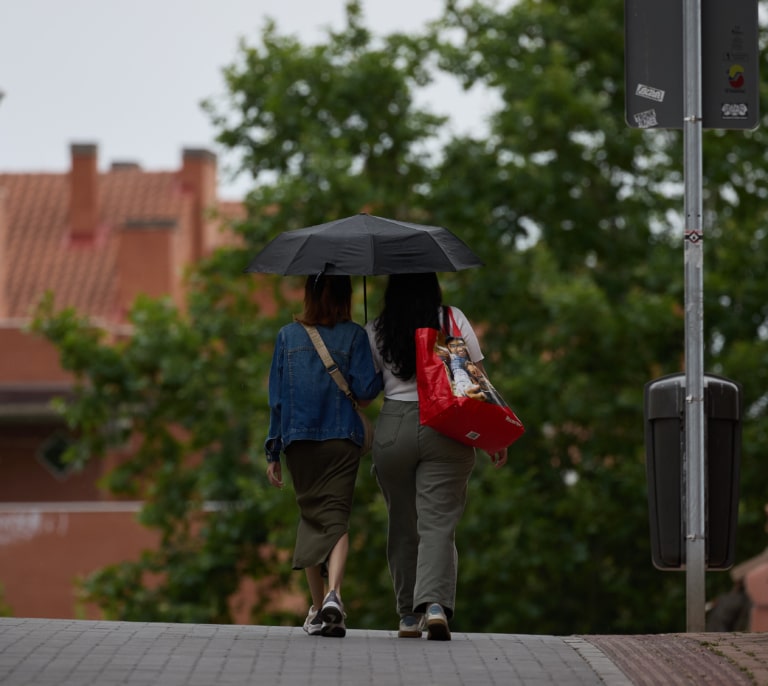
[(665, 409)]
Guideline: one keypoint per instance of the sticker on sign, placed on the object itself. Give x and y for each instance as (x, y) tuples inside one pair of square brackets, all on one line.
[(734, 110), (649, 92), (646, 120)]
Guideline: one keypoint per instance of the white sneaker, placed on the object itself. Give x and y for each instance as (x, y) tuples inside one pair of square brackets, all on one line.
[(313, 625), (332, 616), (437, 623), (332, 609), (411, 626)]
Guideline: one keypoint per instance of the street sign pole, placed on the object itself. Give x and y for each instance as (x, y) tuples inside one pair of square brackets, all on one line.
[(694, 457), (716, 88)]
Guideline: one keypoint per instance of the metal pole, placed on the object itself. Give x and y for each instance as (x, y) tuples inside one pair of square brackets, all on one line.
[(694, 464)]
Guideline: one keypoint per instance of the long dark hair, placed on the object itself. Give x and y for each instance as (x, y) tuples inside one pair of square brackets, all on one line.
[(411, 301), (327, 300)]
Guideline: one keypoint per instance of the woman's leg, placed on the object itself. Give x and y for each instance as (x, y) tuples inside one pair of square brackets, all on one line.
[(441, 484), (323, 474), (337, 562), (394, 456), (316, 585)]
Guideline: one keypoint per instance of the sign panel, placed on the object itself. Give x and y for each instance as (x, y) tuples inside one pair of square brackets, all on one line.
[(653, 53), (653, 63), (730, 64)]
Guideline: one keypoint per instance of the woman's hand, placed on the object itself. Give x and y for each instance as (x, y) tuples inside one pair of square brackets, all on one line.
[(275, 474), (499, 458)]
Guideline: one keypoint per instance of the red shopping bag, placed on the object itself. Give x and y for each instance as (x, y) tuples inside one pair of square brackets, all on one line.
[(458, 400)]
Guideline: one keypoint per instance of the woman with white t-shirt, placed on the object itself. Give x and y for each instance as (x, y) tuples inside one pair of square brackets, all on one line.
[(422, 474)]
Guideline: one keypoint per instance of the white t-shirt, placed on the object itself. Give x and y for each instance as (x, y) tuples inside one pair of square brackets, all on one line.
[(396, 388)]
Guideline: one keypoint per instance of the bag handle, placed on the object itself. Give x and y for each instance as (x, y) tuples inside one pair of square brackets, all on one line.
[(448, 316), (330, 365)]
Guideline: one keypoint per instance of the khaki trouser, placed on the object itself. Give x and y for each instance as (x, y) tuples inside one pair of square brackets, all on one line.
[(423, 476)]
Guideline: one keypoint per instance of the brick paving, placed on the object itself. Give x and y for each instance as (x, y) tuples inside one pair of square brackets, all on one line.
[(688, 659), (42, 652), (748, 651)]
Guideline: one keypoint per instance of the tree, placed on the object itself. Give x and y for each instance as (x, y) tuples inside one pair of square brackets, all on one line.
[(334, 127), (330, 129), (593, 309), (183, 395), (580, 303)]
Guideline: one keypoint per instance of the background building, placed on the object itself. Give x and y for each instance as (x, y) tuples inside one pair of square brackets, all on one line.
[(96, 239)]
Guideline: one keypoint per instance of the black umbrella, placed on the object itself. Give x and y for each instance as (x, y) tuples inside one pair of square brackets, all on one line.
[(364, 245)]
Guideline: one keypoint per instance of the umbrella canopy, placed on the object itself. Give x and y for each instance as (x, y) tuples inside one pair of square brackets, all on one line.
[(364, 244)]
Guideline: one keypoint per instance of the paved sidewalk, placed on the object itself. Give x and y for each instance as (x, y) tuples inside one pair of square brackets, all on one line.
[(37, 652)]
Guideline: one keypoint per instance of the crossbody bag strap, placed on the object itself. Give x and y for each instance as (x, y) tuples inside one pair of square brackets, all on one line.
[(330, 365)]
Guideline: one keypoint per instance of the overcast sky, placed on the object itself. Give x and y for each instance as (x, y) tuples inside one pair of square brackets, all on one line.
[(129, 75)]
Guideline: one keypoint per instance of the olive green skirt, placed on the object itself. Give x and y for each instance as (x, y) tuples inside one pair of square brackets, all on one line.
[(324, 474)]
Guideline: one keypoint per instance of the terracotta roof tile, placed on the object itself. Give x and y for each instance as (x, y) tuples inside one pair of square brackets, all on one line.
[(40, 254)]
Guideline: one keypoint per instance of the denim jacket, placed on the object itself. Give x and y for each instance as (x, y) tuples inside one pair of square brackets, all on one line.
[(305, 402)]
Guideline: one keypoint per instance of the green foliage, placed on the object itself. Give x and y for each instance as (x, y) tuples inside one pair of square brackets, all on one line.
[(581, 302), (327, 129), (185, 395), (5, 609), (579, 218)]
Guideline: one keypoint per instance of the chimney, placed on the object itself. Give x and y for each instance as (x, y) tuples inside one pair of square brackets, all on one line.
[(198, 177), (83, 192)]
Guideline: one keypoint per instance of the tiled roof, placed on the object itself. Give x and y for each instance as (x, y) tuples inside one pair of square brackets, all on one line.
[(40, 254)]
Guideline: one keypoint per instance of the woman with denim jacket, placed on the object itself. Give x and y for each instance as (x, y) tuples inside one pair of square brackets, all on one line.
[(317, 428)]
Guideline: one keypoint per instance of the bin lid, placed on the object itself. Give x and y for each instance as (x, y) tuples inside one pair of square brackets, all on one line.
[(665, 397), (723, 398)]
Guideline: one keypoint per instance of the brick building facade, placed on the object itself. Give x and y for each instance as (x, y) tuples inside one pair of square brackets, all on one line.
[(96, 239)]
